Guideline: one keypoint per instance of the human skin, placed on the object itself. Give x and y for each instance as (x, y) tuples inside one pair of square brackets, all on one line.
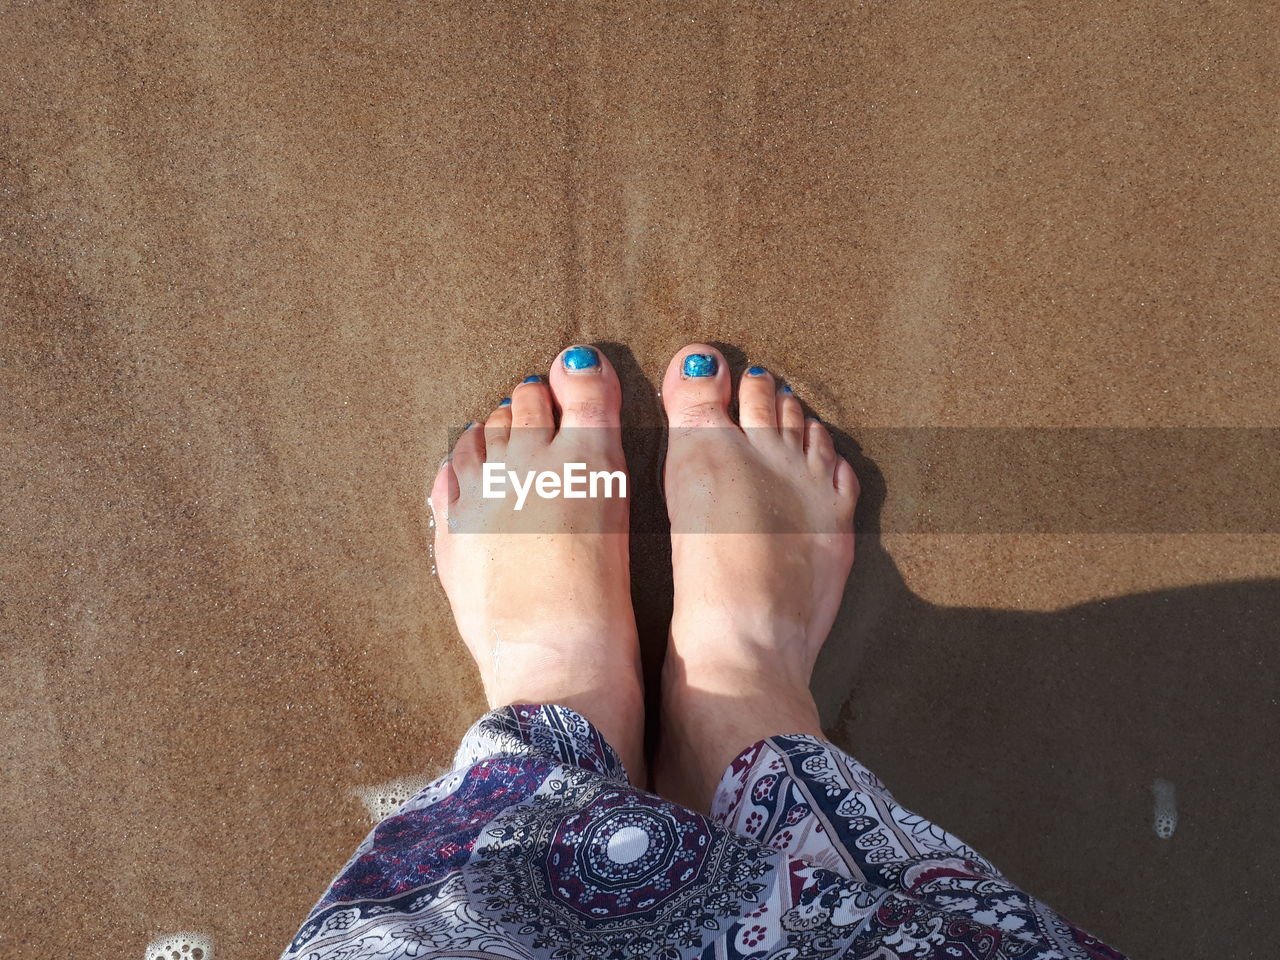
[(761, 512)]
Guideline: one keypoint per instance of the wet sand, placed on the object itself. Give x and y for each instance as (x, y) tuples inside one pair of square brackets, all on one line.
[(259, 262)]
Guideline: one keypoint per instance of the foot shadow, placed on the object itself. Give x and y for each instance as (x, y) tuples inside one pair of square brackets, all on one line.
[(1037, 736), (644, 444)]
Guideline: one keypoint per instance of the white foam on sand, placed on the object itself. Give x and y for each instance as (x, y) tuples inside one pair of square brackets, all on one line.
[(1166, 813), (180, 946), (384, 799)]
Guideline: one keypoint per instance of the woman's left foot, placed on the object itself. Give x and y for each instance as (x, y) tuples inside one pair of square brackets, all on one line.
[(542, 594)]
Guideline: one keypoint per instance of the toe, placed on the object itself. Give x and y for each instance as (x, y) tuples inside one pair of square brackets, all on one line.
[(497, 431), (585, 388), (757, 400), (819, 450), (846, 480), (444, 490), (696, 388), (790, 419), (532, 418), (468, 455)]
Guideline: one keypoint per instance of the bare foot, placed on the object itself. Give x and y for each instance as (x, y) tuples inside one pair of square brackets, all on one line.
[(762, 544), (542, 595)]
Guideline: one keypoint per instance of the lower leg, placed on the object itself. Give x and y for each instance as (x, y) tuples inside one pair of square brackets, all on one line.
[(711, 713), (594, 672)]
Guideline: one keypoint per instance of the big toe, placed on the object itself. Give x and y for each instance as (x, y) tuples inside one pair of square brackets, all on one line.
[(696, 388), (586, 389)]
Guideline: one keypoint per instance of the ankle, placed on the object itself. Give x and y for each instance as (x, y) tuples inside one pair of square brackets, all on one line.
[(741, 669), (765, 638), (534, 663), (709, 717)]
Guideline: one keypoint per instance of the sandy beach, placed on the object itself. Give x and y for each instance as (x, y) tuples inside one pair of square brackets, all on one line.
[(259, 263)]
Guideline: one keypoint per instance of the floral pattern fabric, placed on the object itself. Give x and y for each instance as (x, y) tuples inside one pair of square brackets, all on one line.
[(536, 845)]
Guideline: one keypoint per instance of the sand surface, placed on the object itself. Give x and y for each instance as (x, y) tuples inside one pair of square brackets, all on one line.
[(259, 261)]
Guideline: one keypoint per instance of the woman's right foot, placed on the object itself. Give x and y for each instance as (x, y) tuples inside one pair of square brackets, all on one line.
[(762, 543)]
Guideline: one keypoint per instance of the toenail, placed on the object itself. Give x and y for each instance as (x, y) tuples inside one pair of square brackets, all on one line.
[(532, 378), (700, 365), (787, 389), (504, 402), (757, 372), (581, 358)]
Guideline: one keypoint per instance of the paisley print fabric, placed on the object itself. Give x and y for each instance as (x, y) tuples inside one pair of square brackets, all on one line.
[(536, 845)]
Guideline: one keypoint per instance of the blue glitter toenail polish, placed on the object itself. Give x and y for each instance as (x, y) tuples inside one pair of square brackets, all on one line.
[(756, 372), (787, 389), (532, 378), (581, 358), (504, 402), (700, 365)]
